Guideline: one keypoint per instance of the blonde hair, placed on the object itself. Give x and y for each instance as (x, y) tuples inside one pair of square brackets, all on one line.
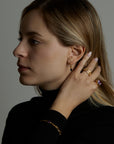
[(76, 22)]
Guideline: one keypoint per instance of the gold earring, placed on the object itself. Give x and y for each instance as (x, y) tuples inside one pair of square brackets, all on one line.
[(69, 61), (71, 68)]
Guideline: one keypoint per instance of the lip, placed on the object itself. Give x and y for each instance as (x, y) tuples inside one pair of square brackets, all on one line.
[(22, 68)]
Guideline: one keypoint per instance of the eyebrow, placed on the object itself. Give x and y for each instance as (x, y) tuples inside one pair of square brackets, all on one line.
[(31, 33)]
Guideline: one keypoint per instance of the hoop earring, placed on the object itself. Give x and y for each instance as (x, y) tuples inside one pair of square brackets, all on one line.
[(71, 68)]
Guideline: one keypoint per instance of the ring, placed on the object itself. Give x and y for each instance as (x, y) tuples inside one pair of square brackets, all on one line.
[(98, 82), (87, 71)]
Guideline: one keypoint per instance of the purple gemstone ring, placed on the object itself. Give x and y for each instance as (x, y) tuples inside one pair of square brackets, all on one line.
[(98, 82)]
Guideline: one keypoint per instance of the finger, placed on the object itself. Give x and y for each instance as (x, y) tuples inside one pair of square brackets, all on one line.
[(95, 74), (82, 63), (92, 64), (94, 86)]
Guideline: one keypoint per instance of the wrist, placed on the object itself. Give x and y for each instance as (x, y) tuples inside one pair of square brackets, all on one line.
[(65, 110)]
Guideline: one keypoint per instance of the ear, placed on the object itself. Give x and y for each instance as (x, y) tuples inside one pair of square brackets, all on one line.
[(75, 54)]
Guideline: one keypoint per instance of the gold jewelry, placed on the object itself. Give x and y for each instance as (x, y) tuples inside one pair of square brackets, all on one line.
[(69, 62), (87, 71), (71, 68), (57, 128)]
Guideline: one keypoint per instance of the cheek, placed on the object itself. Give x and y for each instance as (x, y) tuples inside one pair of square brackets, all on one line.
[(41, 59), (47, 66), (49, 61)]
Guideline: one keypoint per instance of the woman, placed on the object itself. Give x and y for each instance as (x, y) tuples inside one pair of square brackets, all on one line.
[(62, 53)]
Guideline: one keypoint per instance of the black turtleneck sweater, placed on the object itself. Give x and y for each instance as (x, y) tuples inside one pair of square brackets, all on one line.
[(86, 124)]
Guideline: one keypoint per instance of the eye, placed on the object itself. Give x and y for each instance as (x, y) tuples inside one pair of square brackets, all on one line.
[(34, 42)]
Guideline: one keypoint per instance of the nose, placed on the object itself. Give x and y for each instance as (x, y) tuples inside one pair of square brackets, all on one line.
[(20, 51)]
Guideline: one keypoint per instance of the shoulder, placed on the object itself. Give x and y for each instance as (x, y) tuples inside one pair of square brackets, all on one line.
[(91, 123), (87, 115), (88, 109), (103, 124), (106, 111), (104, 116), (24, 108)]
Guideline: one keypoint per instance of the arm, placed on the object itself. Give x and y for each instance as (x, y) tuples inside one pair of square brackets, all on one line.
[(70, 96), (20, 128), (51, 127), (77, 88)]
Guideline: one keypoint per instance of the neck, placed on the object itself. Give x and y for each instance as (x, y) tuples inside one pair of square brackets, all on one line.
[(50, 92)]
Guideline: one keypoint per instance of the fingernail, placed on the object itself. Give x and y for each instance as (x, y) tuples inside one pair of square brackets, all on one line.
[(96, 59), (90, 53)]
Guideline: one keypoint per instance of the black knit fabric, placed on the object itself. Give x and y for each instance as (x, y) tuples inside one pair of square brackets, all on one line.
[(86, 124)]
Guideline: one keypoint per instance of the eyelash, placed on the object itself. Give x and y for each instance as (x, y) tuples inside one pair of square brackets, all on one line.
[(31, 41)]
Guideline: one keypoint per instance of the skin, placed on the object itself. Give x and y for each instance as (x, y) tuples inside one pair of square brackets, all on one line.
[(49, 64), (77, 88), (46, 56)]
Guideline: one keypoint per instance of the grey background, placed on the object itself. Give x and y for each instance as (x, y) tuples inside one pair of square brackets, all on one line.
[(11, 91)]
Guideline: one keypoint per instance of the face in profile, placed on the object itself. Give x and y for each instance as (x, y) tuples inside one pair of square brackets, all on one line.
[(42, 59)]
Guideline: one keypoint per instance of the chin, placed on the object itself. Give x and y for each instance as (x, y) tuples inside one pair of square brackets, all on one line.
[(27, 82)]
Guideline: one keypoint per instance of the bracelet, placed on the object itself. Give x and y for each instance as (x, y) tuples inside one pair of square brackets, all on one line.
[(57, 128)]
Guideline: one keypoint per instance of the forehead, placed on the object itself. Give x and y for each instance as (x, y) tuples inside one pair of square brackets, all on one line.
[(33, 21)]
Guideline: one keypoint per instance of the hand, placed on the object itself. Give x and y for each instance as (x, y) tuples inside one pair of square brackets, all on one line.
[(77, 88)]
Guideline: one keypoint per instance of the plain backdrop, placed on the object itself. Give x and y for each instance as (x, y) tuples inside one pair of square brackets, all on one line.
[(11, 91)]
